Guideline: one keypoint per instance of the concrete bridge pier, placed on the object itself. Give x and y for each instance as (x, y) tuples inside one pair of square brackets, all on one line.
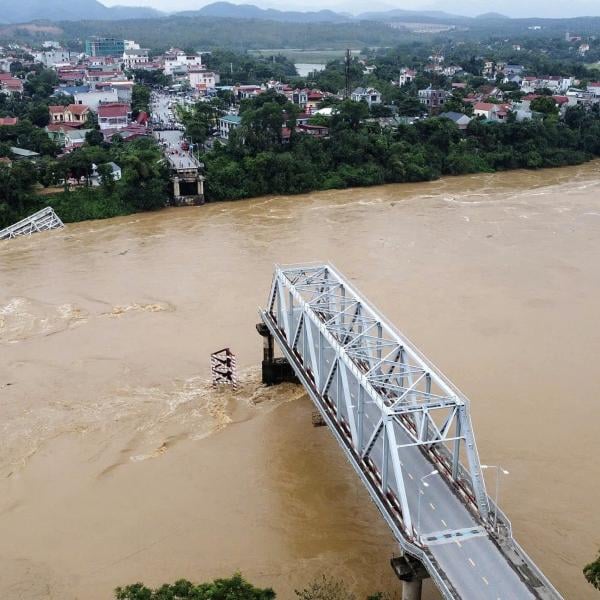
[(411, 572), (274, 370)]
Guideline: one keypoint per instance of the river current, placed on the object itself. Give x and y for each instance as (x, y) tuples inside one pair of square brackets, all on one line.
[(120, 463)]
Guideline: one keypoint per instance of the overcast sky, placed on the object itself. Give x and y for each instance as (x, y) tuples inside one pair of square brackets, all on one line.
[(512, 8)]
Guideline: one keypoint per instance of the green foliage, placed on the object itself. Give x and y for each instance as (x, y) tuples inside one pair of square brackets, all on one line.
[(143, 185), (200, 119), (545, 105), (140, 99), (234, 588), (592, 572), (151, 78), (357, 153), (194, 32), (325, 588)]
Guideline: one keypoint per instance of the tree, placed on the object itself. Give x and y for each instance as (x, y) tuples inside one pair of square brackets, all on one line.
[(545, 105), (94, 137), (234, 588), (325, 588), (349, 114), (140, 99), (38, 114), (592, 572), (456, 104)]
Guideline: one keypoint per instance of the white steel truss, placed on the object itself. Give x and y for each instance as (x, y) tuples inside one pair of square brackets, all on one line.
[(384, 402), (42, 220), (380, 387)]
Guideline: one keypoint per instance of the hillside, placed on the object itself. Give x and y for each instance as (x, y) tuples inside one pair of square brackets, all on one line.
[(24, 11), (249, 11)]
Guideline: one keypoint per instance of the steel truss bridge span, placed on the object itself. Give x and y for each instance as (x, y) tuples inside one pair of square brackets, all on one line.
[(405, 429)]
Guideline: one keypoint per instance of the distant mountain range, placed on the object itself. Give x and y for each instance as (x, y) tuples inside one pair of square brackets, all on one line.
[(249, 11), (25, 11)]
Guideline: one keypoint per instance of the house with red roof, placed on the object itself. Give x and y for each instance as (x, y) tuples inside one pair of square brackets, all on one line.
[(8, 121), (492, 112), (74, 114), (114, 115), (594, 87), (10, 84)]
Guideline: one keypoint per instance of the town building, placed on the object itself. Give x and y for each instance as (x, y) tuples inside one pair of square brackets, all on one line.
[(179, 63), (94, 98), (115, 173), (555, 83), (10, 85), (462, 121), (369, 95), (202, 80), (594, 87), (491, 112), (73, 114), (406, 76), (227, 124), (433, 98), (52, 57), (135, 58), (99, 46), (115, 115)]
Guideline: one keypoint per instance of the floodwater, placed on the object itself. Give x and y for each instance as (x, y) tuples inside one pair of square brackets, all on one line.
[(119, 463)]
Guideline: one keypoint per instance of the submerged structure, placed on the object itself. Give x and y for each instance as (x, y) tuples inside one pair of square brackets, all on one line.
[(42, 220)]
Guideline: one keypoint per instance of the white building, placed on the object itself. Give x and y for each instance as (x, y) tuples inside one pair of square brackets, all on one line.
[(369, 95), (202, 80), (181, 63), (131, 45), (93, 99), (227, 124), (555, 83), (50, 58), (135, 58), (115, 172), (406, 76)]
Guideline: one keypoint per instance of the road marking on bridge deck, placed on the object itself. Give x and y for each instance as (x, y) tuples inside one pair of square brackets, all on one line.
[(444, 523), (485, 581), (458, 544), (432, 506), (410, 476), (472, 562)]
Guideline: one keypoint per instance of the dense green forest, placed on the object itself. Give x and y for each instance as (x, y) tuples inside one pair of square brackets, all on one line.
[(236, 34), (242, 34)]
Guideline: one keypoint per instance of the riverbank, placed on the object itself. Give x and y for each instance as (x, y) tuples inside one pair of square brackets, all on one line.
[(91, 204), (119, 464)]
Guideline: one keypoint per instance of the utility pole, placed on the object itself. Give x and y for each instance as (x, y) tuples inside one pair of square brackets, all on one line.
[(347, 73)]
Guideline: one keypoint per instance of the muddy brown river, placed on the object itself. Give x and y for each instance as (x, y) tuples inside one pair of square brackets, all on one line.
[(119, 462)]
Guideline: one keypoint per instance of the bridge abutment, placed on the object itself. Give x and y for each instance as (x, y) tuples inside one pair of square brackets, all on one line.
[(411, 572), (274, 370)]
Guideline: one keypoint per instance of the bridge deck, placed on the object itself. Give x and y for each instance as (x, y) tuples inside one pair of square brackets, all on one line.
[(398, 420)]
